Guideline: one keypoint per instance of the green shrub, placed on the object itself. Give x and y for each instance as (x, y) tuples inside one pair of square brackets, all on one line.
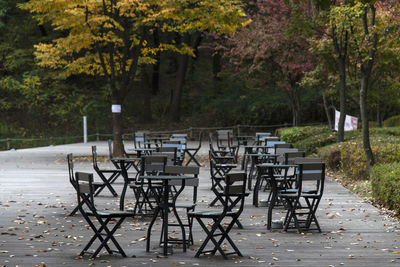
[(350, 157), (331, 156), (392, 121), (353, 160), (313, 142), (295, 134), (385, 182)]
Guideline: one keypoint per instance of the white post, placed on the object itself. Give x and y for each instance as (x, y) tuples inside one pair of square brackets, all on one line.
[(84, 130)]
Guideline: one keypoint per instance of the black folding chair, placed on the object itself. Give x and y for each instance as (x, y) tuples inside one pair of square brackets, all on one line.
[(73, 182), (192, 151), (145, 194), (225, 142), (102, 232), (311, 175), (102, 173), (180, 149), (235, 187), (219, 167)]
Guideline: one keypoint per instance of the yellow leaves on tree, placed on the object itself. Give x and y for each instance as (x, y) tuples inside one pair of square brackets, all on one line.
[(105, 33)]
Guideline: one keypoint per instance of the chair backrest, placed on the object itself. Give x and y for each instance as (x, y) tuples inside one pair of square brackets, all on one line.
[(260, 137), (289, 157), (85, 190), (110, 148), (139, 138), (184, 170), (153, 164), (311, 172), (281, 151), (235, 186), (272, 143), (200, 139), (180, 146), (70, 161), (300, 160), (171, 152), (182, 138), (281, 144), (94, 157), (224, 136)]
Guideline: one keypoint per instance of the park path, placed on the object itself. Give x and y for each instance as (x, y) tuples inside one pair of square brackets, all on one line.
[(35, 196)]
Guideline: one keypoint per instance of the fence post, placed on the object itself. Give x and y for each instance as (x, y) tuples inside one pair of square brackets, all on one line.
[(84, 129), (238, 129), (51, 140), (190, 133), (97, 137), (8, 143)]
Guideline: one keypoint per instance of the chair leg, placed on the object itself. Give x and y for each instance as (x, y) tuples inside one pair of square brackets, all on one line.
[(225, 235), (107, 183), (209, 237), (97, 234), (109, 235), (192, 158)]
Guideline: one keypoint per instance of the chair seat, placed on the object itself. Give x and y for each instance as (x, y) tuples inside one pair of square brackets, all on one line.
[(97, 184), (185, 205), (210, 213), (107, 214), (234, 195), (109, 171), (293, 193)]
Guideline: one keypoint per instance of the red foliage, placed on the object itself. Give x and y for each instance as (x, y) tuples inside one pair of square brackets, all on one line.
[(266, 38)]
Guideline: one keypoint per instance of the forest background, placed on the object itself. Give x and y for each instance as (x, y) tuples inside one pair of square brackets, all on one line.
[(282, 67)]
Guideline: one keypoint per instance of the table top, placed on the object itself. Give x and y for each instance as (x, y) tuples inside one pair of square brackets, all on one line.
[(261, 155), (272, 165), (256, 146), (166, 177), (226, 165), (126, 159)]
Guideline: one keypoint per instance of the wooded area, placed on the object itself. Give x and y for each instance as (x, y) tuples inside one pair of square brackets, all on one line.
[(195, 63)]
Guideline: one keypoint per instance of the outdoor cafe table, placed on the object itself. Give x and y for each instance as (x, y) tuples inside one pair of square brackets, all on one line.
[(250, 150), (255, 159), (123, 164), (164, 205), (270, 169), (244, 139)]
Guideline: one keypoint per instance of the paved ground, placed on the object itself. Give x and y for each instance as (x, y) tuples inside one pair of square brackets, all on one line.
[(35, 197)]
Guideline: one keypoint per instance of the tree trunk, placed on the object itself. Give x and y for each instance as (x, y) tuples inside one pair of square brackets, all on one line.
[(216, 66), (146, 98), (180, 82), (155, 79), (295, 113), (326, 108), (366, 70), (118, 150), (365, 125), (379, 115), (342, 97)]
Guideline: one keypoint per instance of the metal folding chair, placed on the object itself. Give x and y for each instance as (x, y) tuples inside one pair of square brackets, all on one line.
[(219, 167), (312, 174), (102, 232), (144, 193), (73, 182), (192, 151), (235, 187), (102, 173)]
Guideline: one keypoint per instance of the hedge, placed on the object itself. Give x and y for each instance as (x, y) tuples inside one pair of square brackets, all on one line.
[(385, 183)]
